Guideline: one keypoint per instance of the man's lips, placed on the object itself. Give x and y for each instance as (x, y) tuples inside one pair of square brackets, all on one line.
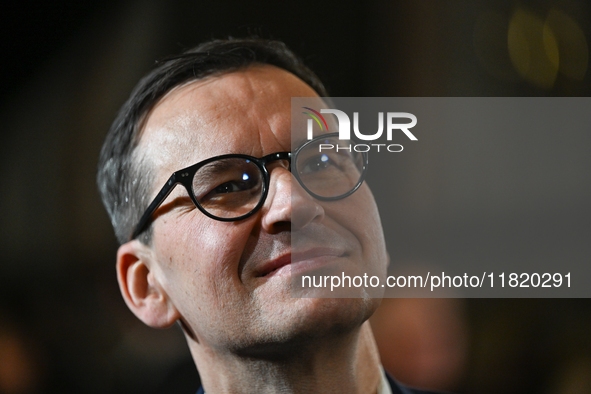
[(295, 263)]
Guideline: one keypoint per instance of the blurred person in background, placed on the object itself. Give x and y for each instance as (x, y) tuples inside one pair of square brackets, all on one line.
[(423, 341)]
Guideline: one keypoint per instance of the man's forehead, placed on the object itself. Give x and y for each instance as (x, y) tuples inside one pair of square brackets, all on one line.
[(220, 113)]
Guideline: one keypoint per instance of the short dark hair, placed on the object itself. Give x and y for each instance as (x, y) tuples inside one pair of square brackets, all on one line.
[(123, 178)]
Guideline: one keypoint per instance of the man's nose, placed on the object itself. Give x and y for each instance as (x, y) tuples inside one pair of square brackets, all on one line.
[(288, 205)]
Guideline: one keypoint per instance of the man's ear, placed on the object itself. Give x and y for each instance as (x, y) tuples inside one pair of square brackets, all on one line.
[(139, 285)]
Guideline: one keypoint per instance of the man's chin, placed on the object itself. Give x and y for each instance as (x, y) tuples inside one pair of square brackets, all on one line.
[(308, 323), (336, 313), (319, 317)]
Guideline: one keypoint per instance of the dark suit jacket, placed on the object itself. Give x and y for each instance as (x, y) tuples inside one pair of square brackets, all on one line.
[(397, 388)]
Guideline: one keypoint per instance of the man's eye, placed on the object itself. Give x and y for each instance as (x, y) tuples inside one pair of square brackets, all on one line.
[(245, 183), (316, 163), (233, 186)]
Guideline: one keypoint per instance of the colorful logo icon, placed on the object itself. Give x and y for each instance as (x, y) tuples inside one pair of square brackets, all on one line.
[(315, 115)]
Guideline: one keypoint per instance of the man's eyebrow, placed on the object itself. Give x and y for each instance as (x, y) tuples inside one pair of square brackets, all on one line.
[(213, 169)]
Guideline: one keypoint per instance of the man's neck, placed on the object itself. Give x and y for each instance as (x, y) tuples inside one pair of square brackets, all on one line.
[(349, 364)]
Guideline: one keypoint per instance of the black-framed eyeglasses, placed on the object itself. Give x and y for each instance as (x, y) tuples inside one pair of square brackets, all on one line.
[(233, 187)]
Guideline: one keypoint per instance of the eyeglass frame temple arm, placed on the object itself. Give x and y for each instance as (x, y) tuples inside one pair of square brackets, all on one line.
[(156, 202)]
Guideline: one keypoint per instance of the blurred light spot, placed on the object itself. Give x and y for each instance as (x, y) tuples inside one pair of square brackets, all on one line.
[(533, 49), (490, 45), (551, 46), (245, 177), (572, 45), (324, 158)]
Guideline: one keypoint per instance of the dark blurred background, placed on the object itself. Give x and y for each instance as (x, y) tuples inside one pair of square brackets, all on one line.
[(67, 67)]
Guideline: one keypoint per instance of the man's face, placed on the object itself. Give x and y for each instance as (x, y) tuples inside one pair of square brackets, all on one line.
[(229, 280)]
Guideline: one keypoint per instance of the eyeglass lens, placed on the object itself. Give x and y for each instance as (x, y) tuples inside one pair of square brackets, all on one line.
[(228, 188), (327, 168)]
